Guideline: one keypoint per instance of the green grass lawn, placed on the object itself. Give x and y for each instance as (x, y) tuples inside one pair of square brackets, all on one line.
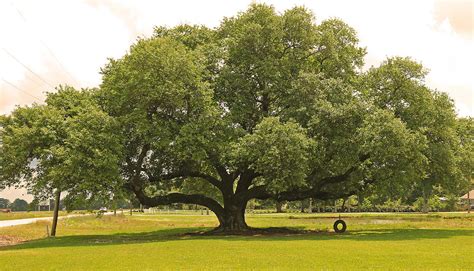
[(159, 242)]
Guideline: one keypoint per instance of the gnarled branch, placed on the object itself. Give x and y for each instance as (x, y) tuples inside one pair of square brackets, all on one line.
[(186, 174), (260, 192), (179, 198)]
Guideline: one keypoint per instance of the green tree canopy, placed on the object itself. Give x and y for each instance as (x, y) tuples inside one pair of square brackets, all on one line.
[(464, 156), (4, 203), (19, 205), (265, 106), (67, 144), (397, 85)]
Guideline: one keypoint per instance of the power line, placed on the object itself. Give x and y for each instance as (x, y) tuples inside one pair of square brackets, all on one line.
[(47, 47), (59, 62), (24, 91), (33, 79), (26, 67)]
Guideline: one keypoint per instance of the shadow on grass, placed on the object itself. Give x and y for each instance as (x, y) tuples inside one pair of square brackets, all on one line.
[(180, 234)]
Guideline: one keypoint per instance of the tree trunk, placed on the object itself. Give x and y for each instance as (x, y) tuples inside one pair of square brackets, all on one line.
[(279, 207), (425, 208), (360, 200), (426, 197), (56, 212), (343, 206), (233, 219), (114, 205), (231, 215)]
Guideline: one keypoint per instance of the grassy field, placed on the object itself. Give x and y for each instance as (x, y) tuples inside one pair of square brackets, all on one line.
[(160, 242)]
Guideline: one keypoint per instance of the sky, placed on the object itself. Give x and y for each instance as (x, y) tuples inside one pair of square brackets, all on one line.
[(50, 42)]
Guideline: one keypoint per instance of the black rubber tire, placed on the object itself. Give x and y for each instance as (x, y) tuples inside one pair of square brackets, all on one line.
[(336, 224)]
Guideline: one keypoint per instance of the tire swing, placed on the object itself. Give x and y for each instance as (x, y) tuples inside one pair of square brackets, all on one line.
[(336, 226), (340, 221)]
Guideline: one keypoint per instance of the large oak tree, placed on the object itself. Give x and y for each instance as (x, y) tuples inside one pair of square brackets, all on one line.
[(267, 105)]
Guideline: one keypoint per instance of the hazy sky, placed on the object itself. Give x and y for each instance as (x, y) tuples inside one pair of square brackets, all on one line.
[(46, 43)]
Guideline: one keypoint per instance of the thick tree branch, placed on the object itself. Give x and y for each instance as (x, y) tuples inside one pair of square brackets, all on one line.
[(260, 192), (186, 174), (221, 170), (245, 181), (137, 169), (179, 198)]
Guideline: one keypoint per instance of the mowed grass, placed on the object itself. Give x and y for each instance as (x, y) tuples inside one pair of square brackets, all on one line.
[(159, 242)]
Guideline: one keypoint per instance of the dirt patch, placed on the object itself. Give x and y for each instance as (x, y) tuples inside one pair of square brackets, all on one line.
[(259, 232), (9, 240)]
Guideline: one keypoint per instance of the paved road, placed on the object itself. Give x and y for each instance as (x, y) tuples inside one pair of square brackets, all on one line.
[(16, 222)]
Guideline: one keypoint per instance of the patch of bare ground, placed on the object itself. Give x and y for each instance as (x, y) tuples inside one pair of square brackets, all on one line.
[(274, 231), (9, 240)]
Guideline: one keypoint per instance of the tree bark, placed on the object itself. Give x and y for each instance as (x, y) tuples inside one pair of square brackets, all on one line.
[(360, 200), (56, 212), (232, 220), (426, 196), (279, 207), (425, 208), (231, 217)]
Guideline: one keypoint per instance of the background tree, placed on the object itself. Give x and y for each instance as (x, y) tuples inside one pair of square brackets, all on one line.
[(68, 144), (465, 156), (266, 106), (4, 203), (19, 205), (398, 86)]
